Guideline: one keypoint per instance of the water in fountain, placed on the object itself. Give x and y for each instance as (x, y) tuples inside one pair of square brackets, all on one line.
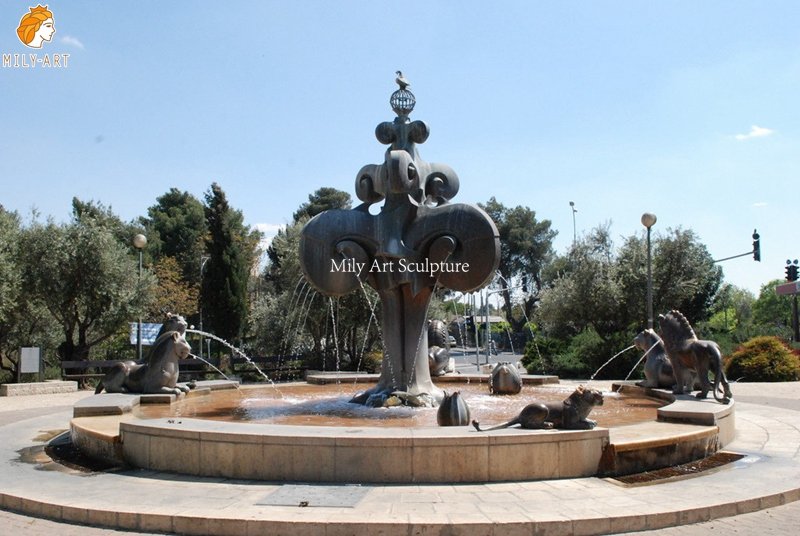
[(609, 361), (335, 335), (369, 324), (291, 346), (637, 363), (210, 364), (236, 350)]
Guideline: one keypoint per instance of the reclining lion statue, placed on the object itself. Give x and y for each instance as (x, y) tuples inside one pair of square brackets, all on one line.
[(687, 353), (570, 414), (159, 373)]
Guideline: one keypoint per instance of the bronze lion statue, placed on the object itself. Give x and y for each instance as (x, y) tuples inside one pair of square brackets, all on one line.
[(159, 373), (570, 414), (687, 353)]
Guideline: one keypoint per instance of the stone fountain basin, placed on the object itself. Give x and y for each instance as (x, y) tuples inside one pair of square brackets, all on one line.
[(686, 430)]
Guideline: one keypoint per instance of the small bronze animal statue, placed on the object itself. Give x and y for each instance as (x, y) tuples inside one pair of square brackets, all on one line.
[(505, 380), (438, 348), (688, 353), (657, 368), (453, 411), (159, 373), (571, 414)]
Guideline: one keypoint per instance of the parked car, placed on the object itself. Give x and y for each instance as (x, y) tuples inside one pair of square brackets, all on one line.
[(452, 340)]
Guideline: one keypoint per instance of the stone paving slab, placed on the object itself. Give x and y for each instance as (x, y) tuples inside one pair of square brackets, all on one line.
[(767, 478)]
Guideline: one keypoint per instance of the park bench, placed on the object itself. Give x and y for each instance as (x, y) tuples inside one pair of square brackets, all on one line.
[(277, 368), (83, 370)]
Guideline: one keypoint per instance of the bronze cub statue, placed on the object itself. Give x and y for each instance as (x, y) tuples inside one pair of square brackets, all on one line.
[(571, 414)]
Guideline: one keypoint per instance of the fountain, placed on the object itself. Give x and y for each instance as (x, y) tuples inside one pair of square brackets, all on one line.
[(416, 242)]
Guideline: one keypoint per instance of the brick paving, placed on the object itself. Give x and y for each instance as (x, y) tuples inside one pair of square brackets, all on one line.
[(767, 423)]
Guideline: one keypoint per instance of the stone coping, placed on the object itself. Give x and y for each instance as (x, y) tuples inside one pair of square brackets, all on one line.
[(164, 502), (38, 388)]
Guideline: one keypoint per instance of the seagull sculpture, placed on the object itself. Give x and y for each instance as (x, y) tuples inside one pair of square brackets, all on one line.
[(401, 81)]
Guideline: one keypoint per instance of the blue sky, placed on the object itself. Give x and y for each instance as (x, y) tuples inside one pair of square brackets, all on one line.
[(685, 109)]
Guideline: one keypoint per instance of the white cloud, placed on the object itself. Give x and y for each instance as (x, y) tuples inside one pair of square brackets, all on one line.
[(760, 204), (269, 230), (72, 41), (755, 132)]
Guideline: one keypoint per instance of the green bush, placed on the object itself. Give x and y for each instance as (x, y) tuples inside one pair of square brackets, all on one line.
[(764, 359)]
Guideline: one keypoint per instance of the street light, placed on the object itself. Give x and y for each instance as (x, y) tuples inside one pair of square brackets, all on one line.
[(648, 220), (574, 229), (139, 242), (203, 260)]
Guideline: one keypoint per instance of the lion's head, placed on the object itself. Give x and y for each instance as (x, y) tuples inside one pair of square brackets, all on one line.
[(584, 399), (173, 322), (646, 339)]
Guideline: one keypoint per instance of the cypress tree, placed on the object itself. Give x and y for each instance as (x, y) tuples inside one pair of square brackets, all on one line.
[(224, 286)]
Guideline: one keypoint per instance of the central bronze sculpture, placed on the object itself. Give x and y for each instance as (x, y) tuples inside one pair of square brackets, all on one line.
[(417, 241)]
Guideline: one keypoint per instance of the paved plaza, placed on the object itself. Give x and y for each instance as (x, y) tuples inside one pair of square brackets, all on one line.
[(759, 495)]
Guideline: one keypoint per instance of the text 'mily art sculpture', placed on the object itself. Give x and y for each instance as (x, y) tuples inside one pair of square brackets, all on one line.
[(417, 241)]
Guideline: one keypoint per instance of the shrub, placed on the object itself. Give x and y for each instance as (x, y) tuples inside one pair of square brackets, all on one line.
[(764, 359)]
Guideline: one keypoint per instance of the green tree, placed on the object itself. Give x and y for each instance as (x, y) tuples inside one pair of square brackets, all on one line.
[(772, 314), (23, 321), (176, 227), (85, 278), (172, 293), (325, 198), (600, 293), (526, 246), (232, 250), (684, 275)]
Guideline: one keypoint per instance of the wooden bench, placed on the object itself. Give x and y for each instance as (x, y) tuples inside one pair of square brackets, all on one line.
[(277, 368), (84, 370)]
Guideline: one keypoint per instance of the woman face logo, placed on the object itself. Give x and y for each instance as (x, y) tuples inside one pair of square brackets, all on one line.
[(36, 27)]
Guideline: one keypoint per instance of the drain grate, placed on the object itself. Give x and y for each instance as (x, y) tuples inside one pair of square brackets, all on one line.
[(689, 469), (341, 496)]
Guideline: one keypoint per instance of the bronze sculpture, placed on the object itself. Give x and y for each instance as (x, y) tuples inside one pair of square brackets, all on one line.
[(689, 354), (505, 380), (158, 374), (571, 414), (438, 348), (417, 241)]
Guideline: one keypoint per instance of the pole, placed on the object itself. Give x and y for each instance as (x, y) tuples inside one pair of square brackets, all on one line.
[(649, 284), (139, 326), (574, 228), (795, 326), (486, 333), (477, 343)]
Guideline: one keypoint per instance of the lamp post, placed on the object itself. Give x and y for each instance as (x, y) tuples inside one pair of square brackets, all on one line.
[(139, 242), (574, 229), (648, 220), (203, 261)]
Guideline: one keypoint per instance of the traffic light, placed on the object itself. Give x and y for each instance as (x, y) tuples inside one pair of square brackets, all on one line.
[(470, 322), (756, 246), (791, 270)]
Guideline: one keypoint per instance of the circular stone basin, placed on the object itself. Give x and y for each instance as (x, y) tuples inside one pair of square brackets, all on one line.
[(311, 433), (328, 405)]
